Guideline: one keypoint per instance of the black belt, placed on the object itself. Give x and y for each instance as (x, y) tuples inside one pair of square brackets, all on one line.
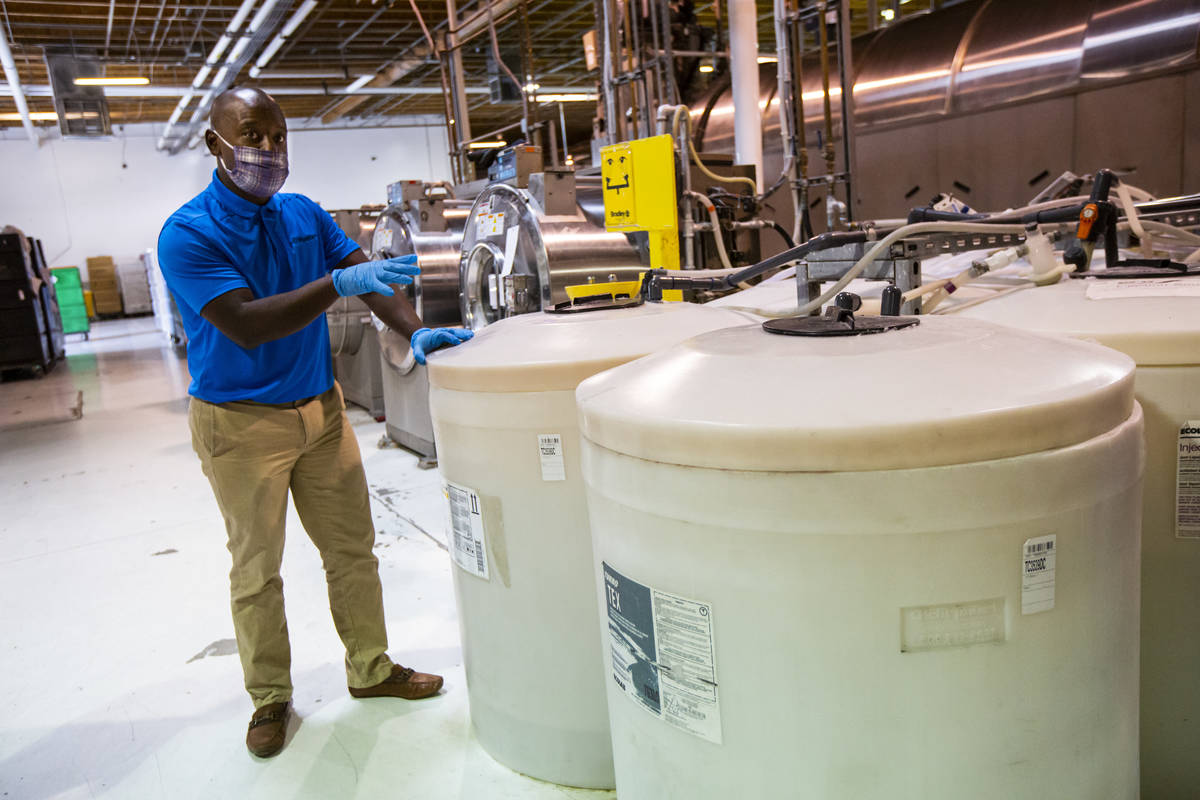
[(292, 404)]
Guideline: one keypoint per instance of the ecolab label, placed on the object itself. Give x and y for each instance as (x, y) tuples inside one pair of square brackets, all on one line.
[(1187, 482)]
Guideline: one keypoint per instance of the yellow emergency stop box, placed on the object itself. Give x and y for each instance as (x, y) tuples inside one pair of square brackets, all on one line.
[(639, 194)]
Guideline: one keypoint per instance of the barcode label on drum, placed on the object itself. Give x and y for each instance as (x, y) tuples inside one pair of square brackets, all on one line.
[(550, 451), (468, 545), (1038, 563)]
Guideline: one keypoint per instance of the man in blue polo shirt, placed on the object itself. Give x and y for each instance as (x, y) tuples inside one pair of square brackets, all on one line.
[(252, 272)]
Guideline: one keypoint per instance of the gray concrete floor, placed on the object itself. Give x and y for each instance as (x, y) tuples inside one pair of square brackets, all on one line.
[(116, 660)]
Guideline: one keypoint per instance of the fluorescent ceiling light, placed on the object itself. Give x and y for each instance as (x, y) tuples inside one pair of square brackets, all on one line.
[(575, 97), (36, 116), (131, 81), (485, 145), (238, 48), (706, 67), (359, 82), (768, 59)]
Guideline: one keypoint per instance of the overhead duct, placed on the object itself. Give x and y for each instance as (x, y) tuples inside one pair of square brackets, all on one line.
[(82, 110)]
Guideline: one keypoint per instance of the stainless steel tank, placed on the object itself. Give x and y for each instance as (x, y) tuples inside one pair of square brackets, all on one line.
[(352, 339), (433, 231), (522, 248), (982, 98), (432, 228)]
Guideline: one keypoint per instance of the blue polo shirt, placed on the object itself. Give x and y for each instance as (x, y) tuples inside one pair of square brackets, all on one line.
[(218, 242)]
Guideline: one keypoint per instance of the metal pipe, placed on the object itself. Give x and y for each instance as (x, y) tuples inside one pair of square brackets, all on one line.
[(747, 121), (462, 115), (786, 91), (14, 88), (281, 38), (448, 109), (823, 31), (610, 101), (211, 61), (672, 84), (157, 21), (305, 74), (562, 126), (44, 90), (634, 122), (849, 159), (112, 7), (504, 67), (132, 21)]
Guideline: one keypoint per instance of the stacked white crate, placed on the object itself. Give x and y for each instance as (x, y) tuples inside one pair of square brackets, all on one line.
[(135, 286)]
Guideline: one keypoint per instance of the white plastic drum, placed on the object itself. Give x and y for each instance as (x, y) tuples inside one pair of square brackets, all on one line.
[(1157, 323), (900, 566), (508, 449)]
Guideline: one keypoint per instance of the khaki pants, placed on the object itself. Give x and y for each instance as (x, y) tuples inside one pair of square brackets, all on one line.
[(253, 455)]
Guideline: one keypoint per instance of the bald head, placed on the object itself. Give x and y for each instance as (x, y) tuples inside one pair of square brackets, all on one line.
[(232, 104), (244, 117)]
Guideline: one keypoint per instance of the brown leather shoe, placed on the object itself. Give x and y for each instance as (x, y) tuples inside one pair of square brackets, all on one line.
[(404, 683), (268, 728)]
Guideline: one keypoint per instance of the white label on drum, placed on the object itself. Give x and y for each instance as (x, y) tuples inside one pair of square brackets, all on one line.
[(1187, 482), (468, 546), (550, 450), (1037, 574), (383, 239), (510, 250), (1143, 287), (951, 625), (663, 656)]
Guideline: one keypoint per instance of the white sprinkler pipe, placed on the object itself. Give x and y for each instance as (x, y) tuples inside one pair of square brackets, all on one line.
[(213, 59), (14, 86), (743, 61)]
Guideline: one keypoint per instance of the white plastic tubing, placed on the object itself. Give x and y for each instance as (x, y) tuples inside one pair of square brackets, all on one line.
[(881, 247)]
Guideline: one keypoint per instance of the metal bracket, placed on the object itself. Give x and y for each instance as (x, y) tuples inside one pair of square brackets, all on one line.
[(901, 265)]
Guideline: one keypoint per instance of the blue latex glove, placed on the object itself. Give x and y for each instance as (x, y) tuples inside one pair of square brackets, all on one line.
[(374, 276), (425, 340)]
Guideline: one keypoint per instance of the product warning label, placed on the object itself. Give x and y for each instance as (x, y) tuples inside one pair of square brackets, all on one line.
[(489, 225), (662, 654), (1143, 287), (550, 450), (382, 239), (468, 547), (1187, 482), (1037, 574)]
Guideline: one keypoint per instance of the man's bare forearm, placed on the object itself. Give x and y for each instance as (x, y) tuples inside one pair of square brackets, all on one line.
[(251, 321)]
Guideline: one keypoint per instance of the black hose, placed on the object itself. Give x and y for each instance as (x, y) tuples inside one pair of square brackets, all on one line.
[(657, 279), (787, 237), (1049, 215)]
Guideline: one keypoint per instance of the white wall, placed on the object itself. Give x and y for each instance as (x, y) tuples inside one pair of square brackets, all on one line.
[(111, 197)]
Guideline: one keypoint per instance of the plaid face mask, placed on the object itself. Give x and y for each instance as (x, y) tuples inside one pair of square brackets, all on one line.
[(258, 173)]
